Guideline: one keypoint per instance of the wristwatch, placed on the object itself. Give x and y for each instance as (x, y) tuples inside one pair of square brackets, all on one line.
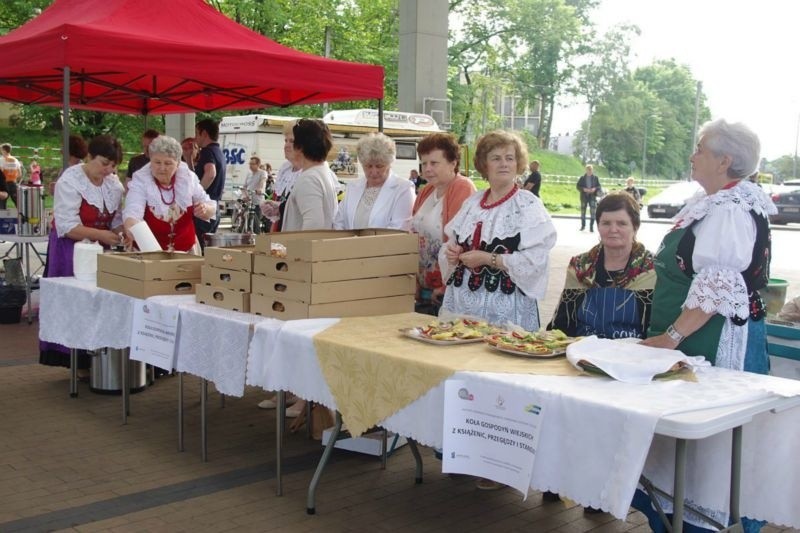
[(673, 334)]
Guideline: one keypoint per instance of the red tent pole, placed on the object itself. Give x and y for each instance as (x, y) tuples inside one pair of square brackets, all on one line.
[(65, 120)]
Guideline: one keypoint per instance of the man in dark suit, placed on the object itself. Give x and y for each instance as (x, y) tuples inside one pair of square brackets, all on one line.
[(589, 187)]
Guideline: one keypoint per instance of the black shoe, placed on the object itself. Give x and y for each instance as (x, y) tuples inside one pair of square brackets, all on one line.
[(591, 230), (550, 497), (583, 228), (592, 510)]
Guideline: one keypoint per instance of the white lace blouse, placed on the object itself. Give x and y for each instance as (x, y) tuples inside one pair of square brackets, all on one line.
[(724, 238), (74, 186), (144, 193), (523, 214)]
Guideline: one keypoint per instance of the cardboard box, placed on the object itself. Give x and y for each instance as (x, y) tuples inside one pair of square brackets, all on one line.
[(289, 310), (326, 271), (314, 246), (224, 298), (369, 443), (231, 258), (335, 291), (139, 288), (152, 266), (235, 280)]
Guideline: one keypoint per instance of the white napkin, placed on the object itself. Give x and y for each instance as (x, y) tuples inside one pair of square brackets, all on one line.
[(627, 360), (145, 240)]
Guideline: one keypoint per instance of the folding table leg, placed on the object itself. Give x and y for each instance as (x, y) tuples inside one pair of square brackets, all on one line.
[(412, 444), (736, 474), (180, 411), (384, 453), (679, 485), (203, 421), (125, 355), (73, 373), (326, 454), (280, 421)]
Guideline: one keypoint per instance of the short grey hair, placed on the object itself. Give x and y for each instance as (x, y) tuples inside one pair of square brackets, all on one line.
[(167, 146), (375, 148), (735, 140)]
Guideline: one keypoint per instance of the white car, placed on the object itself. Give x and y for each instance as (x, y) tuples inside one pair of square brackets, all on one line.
[(668, 202)]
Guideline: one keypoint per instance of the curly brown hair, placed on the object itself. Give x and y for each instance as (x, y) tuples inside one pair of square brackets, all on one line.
[(446, 142), (497, 139)]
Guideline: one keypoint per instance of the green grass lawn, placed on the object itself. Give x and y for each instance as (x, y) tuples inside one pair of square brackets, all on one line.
[(563, 197)]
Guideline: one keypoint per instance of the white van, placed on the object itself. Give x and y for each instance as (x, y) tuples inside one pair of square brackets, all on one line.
[(244, 136)]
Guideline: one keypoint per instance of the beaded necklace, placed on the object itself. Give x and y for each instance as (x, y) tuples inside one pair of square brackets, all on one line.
[(485, 205), (170, 187)]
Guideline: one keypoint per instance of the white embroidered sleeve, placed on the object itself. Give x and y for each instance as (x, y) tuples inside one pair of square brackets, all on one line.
[(724, 242), (66, 206), (528, 267), (135, 200)]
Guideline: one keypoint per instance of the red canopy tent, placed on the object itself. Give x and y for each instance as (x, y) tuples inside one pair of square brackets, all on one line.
[(165, 56)]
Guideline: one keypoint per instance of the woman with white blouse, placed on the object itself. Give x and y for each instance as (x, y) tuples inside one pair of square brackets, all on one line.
[(86, 206), (380, 199), (167, 196)]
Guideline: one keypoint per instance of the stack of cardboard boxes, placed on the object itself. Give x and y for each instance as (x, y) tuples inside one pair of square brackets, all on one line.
[(145, 274), (334, 274), (225, 279)]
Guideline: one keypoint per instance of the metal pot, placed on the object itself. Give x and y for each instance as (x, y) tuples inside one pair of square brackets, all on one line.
[(229, 239)]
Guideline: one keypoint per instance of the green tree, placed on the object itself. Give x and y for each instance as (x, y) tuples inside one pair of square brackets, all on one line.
[(783, 168), (647, 118), (476, 59), (604, 64), (546, 40)]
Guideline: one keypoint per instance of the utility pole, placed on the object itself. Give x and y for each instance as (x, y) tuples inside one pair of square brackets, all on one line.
[(328, 34), (694, 131), (796, 139), (644, 148)]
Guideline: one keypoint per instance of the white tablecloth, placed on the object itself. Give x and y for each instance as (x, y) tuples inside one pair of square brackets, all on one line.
[(597, 433), (213, 344), (79, 315)]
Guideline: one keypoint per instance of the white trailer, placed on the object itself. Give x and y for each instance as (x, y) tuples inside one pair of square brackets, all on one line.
[(243, 136)]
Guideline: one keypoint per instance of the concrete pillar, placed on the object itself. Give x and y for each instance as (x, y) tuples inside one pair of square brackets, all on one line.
[(423, 53), (179, 126)]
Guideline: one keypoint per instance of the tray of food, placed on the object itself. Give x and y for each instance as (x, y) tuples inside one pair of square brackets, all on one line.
[(448, 333), (539, 345)]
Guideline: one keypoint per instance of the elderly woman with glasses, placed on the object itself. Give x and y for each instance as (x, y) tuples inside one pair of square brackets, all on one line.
[(167, 196), (711, 265), (380, 199)]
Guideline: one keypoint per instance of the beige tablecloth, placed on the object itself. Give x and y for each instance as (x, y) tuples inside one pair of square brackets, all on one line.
[(373, 370)]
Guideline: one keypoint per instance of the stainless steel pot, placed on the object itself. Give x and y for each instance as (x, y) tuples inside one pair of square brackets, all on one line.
[(229, 239), (30, 209)]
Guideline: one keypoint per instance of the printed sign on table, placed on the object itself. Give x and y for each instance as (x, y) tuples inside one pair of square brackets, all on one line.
[(153, 335), (490, 432)]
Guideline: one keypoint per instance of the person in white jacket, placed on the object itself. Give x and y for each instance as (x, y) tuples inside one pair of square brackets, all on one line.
[(379, 199)]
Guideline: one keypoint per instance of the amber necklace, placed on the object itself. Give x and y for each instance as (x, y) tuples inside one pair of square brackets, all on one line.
[(485, 197)]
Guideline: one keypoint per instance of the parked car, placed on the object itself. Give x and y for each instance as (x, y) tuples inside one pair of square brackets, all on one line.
[(787, 199), (668, 202)]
